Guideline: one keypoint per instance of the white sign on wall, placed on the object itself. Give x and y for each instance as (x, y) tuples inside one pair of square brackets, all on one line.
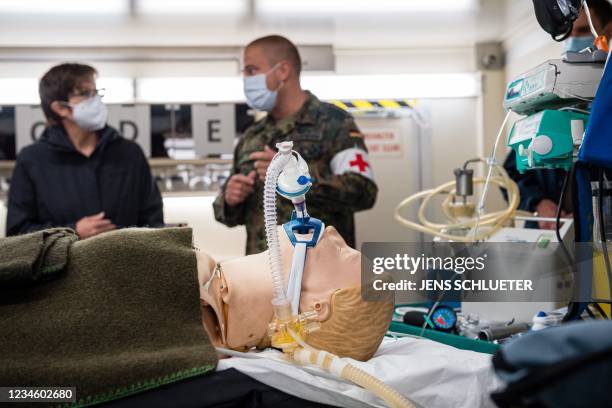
[(384, 142), (214, 128), (132, 121)]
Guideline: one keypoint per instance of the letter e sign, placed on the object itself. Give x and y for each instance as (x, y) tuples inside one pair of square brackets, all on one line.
[(214, 128)]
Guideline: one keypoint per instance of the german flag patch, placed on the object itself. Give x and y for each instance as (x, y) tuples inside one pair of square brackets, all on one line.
[(355, 133)]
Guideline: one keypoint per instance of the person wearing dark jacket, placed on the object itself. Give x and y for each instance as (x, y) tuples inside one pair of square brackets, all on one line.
[(81, 173), (540, 191)]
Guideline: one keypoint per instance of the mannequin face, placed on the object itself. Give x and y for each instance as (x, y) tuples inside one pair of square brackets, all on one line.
[(331, 273)]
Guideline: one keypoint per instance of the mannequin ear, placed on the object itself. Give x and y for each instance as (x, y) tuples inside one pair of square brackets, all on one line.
[(206, 268), (61, 109)]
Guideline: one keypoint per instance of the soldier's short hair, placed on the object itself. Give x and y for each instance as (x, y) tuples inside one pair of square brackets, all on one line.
[(278, 48)]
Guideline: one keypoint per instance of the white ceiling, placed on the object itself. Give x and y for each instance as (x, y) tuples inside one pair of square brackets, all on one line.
[(342, 23)]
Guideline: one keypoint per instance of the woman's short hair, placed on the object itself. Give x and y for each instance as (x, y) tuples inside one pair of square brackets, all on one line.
[(59, 82)]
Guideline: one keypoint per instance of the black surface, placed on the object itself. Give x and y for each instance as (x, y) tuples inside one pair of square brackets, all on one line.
[(223, 389)]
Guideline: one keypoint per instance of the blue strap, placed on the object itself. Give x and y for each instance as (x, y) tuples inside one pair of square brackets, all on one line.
[(303, 226)]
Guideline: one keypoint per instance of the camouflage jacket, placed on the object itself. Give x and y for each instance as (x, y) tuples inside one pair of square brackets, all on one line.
[(332, 145)]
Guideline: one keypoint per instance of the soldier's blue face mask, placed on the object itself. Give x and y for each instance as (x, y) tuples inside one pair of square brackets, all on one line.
[(257, 94), (576, 44)]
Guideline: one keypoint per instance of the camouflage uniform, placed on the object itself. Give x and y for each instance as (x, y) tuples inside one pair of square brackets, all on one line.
[(320, 132)]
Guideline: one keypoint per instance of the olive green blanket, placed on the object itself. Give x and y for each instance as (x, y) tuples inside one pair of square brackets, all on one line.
[(118, 314), (29, 259)]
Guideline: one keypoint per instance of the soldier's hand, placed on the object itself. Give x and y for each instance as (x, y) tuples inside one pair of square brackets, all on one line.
[(239, 187), (93, 225), (262, 161)]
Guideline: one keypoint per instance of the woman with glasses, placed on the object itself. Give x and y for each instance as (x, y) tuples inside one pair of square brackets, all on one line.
[(81, 173)]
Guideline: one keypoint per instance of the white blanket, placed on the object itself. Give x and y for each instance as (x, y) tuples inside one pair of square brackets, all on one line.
[(428, 373)]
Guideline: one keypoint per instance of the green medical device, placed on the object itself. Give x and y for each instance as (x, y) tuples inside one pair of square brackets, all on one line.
[(546, 140)]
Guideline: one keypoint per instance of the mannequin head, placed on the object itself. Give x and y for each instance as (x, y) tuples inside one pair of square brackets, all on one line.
[(236, 299)]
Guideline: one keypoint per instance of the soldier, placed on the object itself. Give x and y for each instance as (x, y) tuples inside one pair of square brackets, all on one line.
[(326, 136)]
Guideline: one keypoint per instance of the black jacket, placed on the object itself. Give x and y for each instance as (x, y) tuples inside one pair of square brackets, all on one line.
[(55, 185), (536, 185)]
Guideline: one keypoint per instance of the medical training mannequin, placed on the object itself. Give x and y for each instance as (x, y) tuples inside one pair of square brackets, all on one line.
[(236, 295)]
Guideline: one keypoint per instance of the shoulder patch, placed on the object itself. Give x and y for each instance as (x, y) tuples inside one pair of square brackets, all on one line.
[(356, 133), (352, 160)]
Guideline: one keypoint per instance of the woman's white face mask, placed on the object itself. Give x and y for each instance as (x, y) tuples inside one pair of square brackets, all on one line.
[(257, 94), (90, 114)]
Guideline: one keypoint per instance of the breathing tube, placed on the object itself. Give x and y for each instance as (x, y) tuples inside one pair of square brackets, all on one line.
[(494, 220), (288, 330), (340, 368), (280, 160)]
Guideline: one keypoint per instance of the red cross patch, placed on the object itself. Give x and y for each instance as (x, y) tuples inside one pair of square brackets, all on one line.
[(361, 164), (353, 160)]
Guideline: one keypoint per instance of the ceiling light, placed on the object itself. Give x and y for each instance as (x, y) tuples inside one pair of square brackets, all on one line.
[(327, 87), (64, 7), (336, 7), (191, 6)]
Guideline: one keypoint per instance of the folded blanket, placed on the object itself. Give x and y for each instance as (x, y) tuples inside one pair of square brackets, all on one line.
[(123, 318), (31, 258)]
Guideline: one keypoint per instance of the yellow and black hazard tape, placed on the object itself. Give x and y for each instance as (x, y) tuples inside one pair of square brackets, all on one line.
[(374, 104)]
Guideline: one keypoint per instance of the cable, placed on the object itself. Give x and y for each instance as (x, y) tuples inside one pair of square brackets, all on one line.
[(558, 222), (588, 15), (572, 109), (575, 308), (600, 310), (602, 229), (590, 313), (571, 308), (494, 220), (476, 160), (491, 163), (431, 312)]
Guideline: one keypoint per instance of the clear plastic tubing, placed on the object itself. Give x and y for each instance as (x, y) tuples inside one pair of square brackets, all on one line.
[(275, 260)]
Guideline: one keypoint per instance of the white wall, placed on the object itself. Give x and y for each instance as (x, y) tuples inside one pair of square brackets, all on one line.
[(208, 235), (525, 42)]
